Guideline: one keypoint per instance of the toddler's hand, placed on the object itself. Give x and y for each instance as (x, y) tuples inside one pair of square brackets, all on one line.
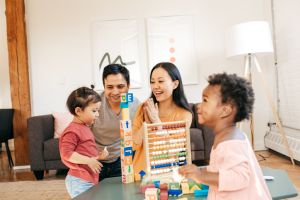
[(94, 165), (103, 154), (191, 171)]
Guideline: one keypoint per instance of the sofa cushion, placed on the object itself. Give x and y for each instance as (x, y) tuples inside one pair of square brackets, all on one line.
[(197, 142), (51, 149), (193, 124), (61, 122)]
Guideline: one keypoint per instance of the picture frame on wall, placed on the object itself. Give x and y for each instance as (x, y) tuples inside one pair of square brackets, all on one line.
[(115, 41), (171, 39)]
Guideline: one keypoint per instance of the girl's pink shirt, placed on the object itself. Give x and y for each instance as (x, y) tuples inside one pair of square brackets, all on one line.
[(240, 176)]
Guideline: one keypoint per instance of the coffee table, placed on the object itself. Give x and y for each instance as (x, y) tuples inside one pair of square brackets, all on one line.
[(112, 188)]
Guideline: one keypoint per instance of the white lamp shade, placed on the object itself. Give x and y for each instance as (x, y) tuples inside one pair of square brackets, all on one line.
[(249, 37)]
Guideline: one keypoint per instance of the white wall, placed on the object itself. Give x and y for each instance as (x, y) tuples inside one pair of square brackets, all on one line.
[(60, 50), (5, 99)]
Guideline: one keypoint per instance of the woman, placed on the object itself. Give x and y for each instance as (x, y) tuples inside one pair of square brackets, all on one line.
[(167, 103)]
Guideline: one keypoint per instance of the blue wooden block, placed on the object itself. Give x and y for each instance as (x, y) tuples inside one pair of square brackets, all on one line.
[(129, 97), (127, 151), (204, 187), (124, 105), (200, 193)]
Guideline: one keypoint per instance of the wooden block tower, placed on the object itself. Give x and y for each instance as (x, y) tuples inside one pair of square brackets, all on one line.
[(126, 139)]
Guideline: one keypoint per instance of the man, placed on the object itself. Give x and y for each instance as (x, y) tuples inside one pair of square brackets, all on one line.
[(106, 129)]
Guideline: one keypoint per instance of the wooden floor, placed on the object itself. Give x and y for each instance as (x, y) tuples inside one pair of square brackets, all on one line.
[(7, 174), (265, 158)]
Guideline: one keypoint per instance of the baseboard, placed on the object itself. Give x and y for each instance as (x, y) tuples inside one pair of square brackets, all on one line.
[(21, 167)]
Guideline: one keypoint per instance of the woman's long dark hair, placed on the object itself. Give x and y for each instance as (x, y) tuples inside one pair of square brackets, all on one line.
[(178, 94)]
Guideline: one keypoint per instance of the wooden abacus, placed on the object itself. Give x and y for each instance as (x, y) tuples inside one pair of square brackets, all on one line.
[(167, 146)]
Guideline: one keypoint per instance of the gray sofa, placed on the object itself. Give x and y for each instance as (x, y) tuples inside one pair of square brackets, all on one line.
[(44, 151)]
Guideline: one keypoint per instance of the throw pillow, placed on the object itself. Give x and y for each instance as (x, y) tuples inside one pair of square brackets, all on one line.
[(61, 122)]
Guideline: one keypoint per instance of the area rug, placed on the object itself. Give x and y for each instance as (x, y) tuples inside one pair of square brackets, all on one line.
[(29, 190)]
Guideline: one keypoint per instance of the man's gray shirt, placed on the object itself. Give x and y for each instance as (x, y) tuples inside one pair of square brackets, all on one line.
[(107, 128)]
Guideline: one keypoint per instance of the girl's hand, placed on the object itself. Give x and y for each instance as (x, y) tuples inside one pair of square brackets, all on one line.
[(192, 172), (103, 154), (94, 165), (152, 111)]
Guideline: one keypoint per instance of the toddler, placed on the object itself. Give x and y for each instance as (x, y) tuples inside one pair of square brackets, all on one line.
[(77, 145)]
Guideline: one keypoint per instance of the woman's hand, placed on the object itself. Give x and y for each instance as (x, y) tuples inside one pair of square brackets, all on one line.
[(145, 114), (94, 165), (151, 111)]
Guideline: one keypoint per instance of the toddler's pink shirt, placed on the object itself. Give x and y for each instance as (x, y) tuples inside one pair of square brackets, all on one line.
[(240, 176)]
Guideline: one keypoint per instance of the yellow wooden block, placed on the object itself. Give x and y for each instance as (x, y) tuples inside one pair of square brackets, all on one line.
[(125, 114), (137, 177), (185, 188), (195, 187)]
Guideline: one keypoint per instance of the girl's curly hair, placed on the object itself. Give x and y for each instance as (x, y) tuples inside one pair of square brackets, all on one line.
[(235, 90)]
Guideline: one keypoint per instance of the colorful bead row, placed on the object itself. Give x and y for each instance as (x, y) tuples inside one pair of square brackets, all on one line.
[(166, 132), (159, 171), (163, 161), (166, 137), (168, 155), (171, 126), (177, 140), (168, 151), (167, 146)]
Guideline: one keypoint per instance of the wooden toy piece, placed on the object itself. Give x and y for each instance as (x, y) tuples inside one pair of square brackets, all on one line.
[(163, 186), (163, 195), (124, 105), (185, 188), (145, 187), (195, 187), (124, 98), (127, 178), (126, 140), (125, 114), (151, 194), (175, 193), (184, 198), (167, 146), (129, 97), (137, 177), (204, 187), (174, 186), (126, 151), (200, 193)]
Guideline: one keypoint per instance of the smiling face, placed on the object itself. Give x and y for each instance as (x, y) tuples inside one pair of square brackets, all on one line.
[(114, 86), (210, 109), (89, 114), (162, 85)]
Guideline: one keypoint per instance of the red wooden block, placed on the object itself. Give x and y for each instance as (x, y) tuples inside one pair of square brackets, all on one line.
[(163, 195)]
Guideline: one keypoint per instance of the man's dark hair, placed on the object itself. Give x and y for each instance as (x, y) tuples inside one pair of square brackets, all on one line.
[(178, 94), (116, 69), (81, 98), (235, 90)]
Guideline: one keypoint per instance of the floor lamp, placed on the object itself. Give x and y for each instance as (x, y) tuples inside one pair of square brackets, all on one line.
[(249, 39)]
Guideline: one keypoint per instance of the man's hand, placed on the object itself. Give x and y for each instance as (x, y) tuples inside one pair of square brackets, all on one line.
[(103, 154)]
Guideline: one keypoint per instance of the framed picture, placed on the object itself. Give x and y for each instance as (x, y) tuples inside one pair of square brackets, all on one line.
[(171, 39), (115, 41)]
